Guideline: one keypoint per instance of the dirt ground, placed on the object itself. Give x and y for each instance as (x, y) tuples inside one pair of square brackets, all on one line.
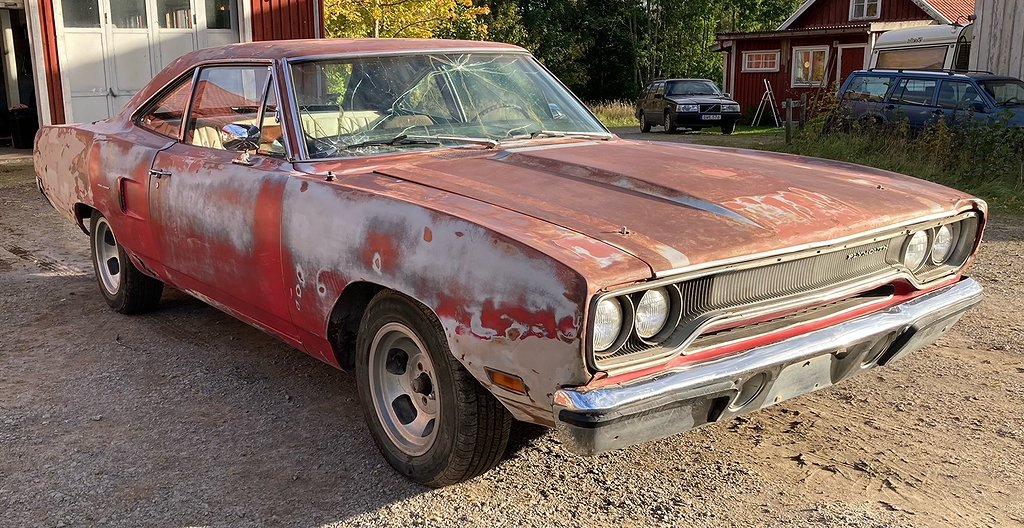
[(187, 417)]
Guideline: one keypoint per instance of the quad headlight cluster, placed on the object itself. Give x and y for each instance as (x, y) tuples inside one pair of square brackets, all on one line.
[(687, 108), (730, 108), (647, 315), (944, 245)]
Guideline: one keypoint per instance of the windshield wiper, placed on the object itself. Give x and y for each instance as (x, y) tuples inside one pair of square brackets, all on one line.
[(560, 133), (400, 140)]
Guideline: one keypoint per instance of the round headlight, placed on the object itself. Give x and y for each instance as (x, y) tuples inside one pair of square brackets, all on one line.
[(607, 324), (916, 250), (942, 245), (652, 312)]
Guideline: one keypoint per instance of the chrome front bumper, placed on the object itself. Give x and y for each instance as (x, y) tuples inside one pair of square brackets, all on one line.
[(610, 417)]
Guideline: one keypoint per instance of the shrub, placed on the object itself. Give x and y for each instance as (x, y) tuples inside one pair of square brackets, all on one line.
[(618, 113)]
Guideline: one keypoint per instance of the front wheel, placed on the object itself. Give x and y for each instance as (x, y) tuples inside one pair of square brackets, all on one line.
[(670, 126), (126, 289), (729, 128), (429, 417)]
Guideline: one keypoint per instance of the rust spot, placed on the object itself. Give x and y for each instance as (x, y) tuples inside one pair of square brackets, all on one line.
[(459, 234), (427, 234), (304, 187)]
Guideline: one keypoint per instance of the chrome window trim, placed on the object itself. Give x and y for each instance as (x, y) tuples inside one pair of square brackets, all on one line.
[(774, 257)]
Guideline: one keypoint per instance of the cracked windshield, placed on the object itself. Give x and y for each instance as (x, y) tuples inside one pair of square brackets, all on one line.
[(364, 106)]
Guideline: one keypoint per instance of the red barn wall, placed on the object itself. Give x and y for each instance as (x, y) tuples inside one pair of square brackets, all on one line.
[(825, 13), (285, 19), (749, 87)]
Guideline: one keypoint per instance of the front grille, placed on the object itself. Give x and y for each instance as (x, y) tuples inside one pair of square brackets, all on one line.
[(714, 108), (727, 299)]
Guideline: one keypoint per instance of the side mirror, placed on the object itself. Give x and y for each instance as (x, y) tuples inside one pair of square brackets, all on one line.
[(727, 95), (240, 137), (659, 96), (979, 107)]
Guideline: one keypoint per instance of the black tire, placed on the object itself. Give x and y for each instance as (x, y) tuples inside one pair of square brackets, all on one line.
[(644, 125), (471, 430), (729, 129), (131, 291), (670, 126)]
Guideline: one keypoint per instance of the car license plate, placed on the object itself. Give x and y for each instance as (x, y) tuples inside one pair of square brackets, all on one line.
[(711, 117), (801, 378)]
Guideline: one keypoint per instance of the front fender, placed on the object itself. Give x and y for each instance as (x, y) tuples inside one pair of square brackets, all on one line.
[(505, 304)]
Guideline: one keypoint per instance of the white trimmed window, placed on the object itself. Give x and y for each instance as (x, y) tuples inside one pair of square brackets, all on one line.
[(761, 61), (865, 9), (809, 65)]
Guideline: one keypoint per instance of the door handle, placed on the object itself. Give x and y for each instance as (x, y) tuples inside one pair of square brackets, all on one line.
[(156, 173)]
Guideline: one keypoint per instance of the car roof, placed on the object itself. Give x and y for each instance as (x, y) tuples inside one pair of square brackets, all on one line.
[(311, 48), (937, 73)]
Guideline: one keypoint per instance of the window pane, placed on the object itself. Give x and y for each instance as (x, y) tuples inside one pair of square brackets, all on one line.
[(271, 131), (915, 92), (166, 115), (958, 95), (174, 14), (920, 58), (872, 89), (872, 9), (81, 13), (224, 96), (219, 15), (809, 66), (128, 13)]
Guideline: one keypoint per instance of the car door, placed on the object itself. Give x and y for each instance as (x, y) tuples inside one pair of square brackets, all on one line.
[(864, 96), (913, 100), (960, 102), (654, 111), (216, 209)]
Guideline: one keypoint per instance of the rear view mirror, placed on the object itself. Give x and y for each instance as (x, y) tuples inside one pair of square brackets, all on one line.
[(240, 137), (556, 111)]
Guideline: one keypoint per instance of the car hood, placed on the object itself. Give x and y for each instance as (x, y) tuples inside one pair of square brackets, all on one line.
[(674, 206), (700, 99)]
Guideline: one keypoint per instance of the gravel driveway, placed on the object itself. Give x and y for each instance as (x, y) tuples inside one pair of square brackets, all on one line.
[(187, 417)]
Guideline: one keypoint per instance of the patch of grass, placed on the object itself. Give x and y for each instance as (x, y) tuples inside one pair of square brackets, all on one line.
[(15, 173), (620, 113), (986, 161)]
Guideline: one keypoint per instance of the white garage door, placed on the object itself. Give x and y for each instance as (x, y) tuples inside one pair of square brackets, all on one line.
[(109, 49)]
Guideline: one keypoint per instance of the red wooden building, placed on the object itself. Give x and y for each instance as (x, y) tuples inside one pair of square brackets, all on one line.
[(83, 59), (821, 44)]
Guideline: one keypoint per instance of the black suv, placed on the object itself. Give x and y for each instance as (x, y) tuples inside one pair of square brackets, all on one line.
[(686, 103), (923, 97)]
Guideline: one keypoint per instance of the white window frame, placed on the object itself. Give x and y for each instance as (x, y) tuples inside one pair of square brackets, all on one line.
[(864, 3), (776, 53), (794, 66)]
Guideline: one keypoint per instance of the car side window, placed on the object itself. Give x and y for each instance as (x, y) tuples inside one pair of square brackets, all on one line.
[(226, 95), (958, 95), (659, 88), (166, 114), (869, 88), (914, 92)]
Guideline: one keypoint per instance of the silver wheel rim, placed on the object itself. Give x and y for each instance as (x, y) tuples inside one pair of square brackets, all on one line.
[(402, 386), (643, 122), (108, 259)]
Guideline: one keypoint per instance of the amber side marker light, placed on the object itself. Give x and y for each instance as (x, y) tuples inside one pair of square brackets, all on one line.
[(506, 381)]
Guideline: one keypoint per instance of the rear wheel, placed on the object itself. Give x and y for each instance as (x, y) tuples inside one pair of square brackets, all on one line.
[(729, 128), (126, 289), (429, 417), (670, 126), (644, 125)]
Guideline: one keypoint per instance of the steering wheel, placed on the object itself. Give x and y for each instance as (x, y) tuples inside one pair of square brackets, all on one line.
[(499, 106)]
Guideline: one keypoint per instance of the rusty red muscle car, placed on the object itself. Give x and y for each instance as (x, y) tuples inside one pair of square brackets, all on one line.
[(446, 219)]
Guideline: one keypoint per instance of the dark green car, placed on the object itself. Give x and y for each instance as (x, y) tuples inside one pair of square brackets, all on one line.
[(686, 103)]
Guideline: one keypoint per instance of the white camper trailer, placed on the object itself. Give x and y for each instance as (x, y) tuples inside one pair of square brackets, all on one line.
[(942, 47)]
